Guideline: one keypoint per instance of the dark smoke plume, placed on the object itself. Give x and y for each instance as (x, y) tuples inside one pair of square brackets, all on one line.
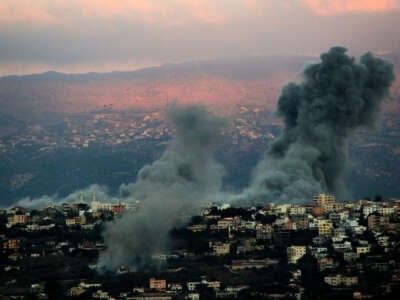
[(337, 96), (170, 190)]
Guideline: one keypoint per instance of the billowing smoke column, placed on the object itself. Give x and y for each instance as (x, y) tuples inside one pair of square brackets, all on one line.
[(171, 190), (337, 96)]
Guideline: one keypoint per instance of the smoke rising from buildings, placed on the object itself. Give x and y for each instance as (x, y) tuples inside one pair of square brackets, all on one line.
[(170, 190), (85, 195), (336, 96)]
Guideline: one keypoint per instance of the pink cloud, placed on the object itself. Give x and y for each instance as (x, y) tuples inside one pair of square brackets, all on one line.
[(148, 11), (172, 12), (165, 12), (332, 7), (203, 10), (169, 12), (25, 11)]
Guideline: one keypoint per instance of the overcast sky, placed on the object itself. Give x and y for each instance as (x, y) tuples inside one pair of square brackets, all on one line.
[(106, 35)]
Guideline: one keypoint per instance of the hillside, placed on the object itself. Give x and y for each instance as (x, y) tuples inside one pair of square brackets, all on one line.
[(252, 81), (61, 132)]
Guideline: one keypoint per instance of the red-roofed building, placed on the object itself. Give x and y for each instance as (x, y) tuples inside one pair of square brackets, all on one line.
[(158, 284), (225, 223), (117, 209)]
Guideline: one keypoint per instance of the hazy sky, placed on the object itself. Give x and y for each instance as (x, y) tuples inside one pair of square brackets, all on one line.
[(105, 35)]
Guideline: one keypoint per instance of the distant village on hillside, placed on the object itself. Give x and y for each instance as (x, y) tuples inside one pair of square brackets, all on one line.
[(321, 249)]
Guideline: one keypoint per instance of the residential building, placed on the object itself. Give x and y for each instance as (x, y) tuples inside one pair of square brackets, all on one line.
[(220, 248), (324, 227), (324, 200), (158, 284), (340, 280), (294, 253)]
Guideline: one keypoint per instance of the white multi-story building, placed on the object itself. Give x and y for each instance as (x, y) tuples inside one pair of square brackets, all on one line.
[(297, 210), (386, 211), (369, 209), (281, 209), (96, 205)]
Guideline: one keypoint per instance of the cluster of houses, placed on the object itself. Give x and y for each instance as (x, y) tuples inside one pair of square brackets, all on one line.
[(69, 214), (346, 245)]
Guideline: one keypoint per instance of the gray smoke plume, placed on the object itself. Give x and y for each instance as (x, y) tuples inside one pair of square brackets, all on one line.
[(84, 195), (170, 190), (336, 96)]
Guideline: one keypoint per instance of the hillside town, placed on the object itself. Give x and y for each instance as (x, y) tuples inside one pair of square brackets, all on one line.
[(109, 128), (56, 155), (324, 249)]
